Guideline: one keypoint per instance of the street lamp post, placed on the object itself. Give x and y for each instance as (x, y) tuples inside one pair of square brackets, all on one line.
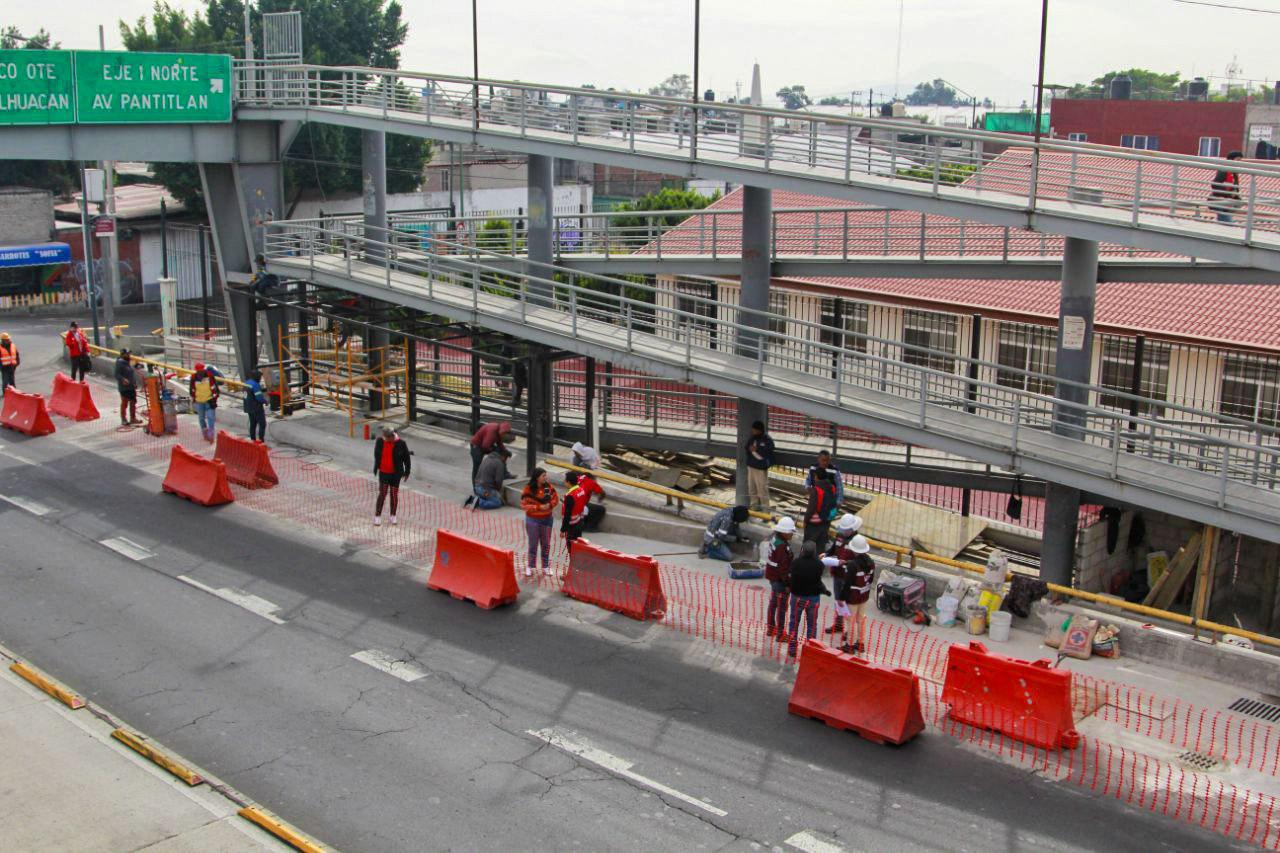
[(972, 100)]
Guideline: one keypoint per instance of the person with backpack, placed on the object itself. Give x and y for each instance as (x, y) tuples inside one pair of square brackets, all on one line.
[(391, 465), (1224, 192), (77, 351), (255, 406), (539, 500), (777, 571), (806, 589), (852, 593), (204, 394), (821, 510)]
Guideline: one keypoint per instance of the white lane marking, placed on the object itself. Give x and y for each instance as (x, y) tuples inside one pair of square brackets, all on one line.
[(617, 766), (127, 548), (33, 507), (252, 603), (16, 457), (390, 664), (810, 843)]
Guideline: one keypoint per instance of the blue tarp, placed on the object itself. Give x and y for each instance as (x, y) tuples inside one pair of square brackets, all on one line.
[(37, 255)]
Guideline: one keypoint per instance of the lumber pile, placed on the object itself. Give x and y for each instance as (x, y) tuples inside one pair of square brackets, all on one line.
[(1170, 584)]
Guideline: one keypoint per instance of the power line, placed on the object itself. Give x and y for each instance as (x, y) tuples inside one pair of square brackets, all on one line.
[(1228, 6)]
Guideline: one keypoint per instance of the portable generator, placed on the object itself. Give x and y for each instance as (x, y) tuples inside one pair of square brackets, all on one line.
[(902, 595)]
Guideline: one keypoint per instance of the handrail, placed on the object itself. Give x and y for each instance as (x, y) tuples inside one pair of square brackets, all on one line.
[(181, 371), (946, 562)]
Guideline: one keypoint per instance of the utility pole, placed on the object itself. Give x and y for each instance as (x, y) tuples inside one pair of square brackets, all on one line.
[(88, 253), (248, 34), (111, 281)]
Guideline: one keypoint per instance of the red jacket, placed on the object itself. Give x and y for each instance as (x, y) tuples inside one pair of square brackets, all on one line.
[(778, 566), (589, 486), (489, 436), (539, 503), (77, 343)]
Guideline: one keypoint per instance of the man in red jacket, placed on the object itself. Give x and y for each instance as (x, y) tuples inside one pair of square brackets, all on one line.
[(487, 438), (77, 351)]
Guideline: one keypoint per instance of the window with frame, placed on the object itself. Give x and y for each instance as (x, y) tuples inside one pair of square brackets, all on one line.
[(1077, 137), (845, 324), (697, 298), (1117, 374), (929, 340), (779, 307), (1250, 389), (1031, 348), (1142, 142), (1210, 146)]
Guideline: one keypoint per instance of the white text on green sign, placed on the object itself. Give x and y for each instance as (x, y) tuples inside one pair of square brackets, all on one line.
[(119, 87), (36, 87)]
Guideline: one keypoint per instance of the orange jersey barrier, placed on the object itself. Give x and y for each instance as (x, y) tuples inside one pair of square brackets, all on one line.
[(197, 478), (25, 413), (70, 399), (1025, 700), (845, 692), (474, 571), (246, 461), (624, 583)]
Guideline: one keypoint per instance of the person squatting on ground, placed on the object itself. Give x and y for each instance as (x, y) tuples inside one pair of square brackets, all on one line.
[(721, 530), (489, 477), (391, 464), (9, 361), (777, 571), (486, 439), (204, 393), (585, 456), (126, 385), (851, 596), (255, 406), (806, 589), (77, 352), (759, 449), (539, 500)]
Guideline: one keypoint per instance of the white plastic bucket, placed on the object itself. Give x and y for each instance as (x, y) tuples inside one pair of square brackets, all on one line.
[(947, 606), (1000, 623)]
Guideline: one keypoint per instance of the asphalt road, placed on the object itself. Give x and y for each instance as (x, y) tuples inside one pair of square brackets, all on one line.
[(659, 741)]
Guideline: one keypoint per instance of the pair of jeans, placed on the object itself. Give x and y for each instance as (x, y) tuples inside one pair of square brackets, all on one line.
[(385, 486), (539, 533), (718, 550), (206, 414), (1225, 217), (779, 598), (802, 606), (487, 498), (258, 425)]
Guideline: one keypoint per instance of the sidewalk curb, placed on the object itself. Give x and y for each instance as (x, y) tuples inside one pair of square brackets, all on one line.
[(48, 684), (138, 743), (286, 833)]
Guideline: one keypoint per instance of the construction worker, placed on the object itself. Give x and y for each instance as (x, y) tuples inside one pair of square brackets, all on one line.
[(485, 439), (851, 600), (825, 463), (255, 406), (574, 516), (759, 451), (77, 351), (204, 393), (127, 385), (391, 465), (9, 361), (489, 477), (722, 530), (777, 571), (821, 509), (837, 558), (807, 589)]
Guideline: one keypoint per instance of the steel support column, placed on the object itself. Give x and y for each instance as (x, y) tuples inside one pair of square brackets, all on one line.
[(373, 168), (541, 213), (757, 215), (1074, 362), (538, 407)]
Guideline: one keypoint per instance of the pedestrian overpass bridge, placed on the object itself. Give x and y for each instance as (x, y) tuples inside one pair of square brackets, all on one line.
[(1191, 463)]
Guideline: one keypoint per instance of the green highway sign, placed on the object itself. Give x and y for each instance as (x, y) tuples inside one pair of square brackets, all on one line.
[(121, 87), (36, 87)]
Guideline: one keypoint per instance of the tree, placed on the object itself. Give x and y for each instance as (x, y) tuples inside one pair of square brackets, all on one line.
[(636, 230), (834, 101), (675, 86), (336, 32), (1148, 85), (933, 93), (794, 97), (55, 176)]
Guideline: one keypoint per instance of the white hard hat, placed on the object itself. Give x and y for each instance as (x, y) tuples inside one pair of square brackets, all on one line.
[(849, 523), (785, 525), (859, 545)]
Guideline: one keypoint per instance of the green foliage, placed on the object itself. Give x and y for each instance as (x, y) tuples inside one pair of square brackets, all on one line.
[(336, 32), (675, 86), (498, 235), (794, 97), (667, 198), (11, 38), (935, 92), (948, 173), (834, 101), (1149, 85)]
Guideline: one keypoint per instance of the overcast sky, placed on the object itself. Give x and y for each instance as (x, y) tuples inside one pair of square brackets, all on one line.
[(987, 47)]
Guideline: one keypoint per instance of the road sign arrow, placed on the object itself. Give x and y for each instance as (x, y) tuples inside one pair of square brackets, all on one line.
[(215, 86)]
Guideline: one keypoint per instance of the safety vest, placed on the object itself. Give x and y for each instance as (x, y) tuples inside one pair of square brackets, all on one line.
[(9, 357), (580, 499)]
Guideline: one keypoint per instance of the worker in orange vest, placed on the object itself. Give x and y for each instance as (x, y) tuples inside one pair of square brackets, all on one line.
[(9, 360)]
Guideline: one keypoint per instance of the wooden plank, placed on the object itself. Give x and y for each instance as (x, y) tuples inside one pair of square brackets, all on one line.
[(1179, 570), (1204, 574)]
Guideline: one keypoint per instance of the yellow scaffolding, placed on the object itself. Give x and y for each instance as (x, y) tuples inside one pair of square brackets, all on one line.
[(343, 374)]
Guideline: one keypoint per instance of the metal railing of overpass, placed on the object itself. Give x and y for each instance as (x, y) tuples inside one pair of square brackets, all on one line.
[(903, 398), (1065, 184)]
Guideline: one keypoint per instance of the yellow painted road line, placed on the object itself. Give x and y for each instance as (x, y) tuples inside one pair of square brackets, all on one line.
[(139, 744), (281, 830), (49, 685)]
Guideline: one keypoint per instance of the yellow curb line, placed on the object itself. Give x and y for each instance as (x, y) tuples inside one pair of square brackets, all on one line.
[(280, 829), (138, 744), (49, 685)]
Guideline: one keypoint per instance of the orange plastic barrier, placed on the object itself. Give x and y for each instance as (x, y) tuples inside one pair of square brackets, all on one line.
[(197, 478), (845, 692), (624, 583), (1025, 700), (25, 413), (474, 571), (247, 461), (71, 399)]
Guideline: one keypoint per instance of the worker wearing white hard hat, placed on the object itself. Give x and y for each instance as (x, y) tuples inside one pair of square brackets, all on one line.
[(777, 570), (849, 524), (851, 601)]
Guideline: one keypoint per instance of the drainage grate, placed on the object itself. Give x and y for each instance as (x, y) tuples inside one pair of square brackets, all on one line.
[(1196, 761), (1254, 708)]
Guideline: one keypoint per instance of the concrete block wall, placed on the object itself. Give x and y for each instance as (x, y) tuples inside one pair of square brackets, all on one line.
[(26, 215), (1094, 566)]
